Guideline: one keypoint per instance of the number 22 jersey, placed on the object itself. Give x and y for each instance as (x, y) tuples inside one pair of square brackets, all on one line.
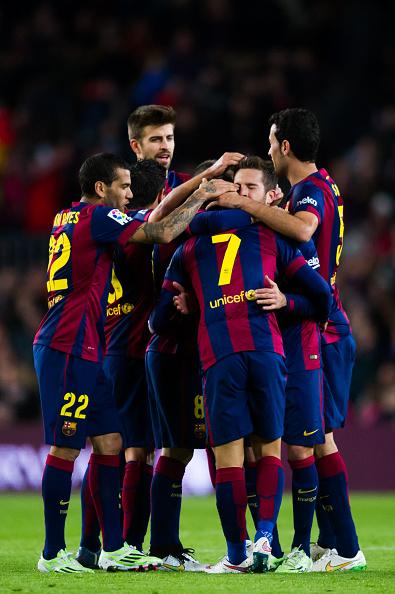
[(81, 249)]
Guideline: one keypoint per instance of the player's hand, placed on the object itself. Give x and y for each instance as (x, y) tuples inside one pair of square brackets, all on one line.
[(227, 200), (223, 163), (213, 188), (270, 297), (184, 302)]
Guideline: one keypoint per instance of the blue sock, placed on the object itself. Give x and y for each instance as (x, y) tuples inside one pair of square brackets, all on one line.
[(334, 500), (304, 497), (277, 550), (104, 483), (231, 497), (90, 533), (56, 492), (326, 536), (252, 497), (270, 486), (166, 497), (139, 526)]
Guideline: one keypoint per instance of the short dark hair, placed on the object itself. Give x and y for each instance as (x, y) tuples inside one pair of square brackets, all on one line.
[(269, 176), (147, 179), (100, 167), (149, 115), (300, 127), (227, 175)]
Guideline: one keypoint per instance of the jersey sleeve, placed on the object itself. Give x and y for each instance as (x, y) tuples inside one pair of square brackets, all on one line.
[(309, 198), (301, 307), (305, 279), (110, 225), (165, 317), (217, 221)]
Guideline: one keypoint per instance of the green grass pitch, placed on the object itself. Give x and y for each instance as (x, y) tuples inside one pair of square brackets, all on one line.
[(21, 534)]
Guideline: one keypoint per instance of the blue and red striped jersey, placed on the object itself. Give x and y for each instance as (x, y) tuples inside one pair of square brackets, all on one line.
[(223, 270), (203, 223), (297, 321), (320, 195), (131, 298), (81, 251)]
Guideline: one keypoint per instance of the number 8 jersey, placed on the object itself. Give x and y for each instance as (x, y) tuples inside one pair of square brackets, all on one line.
[(81, 249)]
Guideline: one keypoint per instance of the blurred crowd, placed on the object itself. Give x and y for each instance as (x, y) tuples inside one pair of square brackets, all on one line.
[(70, 78)]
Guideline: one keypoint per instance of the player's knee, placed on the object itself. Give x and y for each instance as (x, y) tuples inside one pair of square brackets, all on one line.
[(68, 454), (327, 448), (107, 445), (136, 455), (296, 452), (183, 455)]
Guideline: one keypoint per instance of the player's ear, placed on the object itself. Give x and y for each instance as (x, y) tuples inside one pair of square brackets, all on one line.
[(135, 146), (285, 147), (100, 189)]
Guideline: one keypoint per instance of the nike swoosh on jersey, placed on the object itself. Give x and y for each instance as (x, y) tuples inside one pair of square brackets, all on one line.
[(307, 433), (174, 486), (302, 491), (61, 502), (330, 567)]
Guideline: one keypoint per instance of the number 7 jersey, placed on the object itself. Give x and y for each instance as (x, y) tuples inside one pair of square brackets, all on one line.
[(224, 270), (81, 249)]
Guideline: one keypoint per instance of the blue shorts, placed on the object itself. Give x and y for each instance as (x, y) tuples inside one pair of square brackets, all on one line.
[(245, 393), (76, 399), (176, 400), (304, 423), (338, 361), (126, 377)]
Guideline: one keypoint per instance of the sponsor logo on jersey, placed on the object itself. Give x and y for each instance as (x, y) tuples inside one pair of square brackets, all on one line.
[(307, 200), (119, 309), (314, 262), (69, 428), (238, 298), (56, 299), (119, 216)]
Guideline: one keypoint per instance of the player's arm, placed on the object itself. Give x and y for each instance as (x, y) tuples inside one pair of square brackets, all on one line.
[(165, 317), (300, 226), (176, 222), (305, 279), (218, 221), (179, 194), (271, 298)]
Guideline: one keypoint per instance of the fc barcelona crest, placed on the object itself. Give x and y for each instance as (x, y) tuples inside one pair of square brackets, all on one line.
[(200, 430), (69, 428)]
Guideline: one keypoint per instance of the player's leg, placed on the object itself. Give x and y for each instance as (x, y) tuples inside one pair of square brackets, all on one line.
[(338, 359), (228, 421), (104, 481), (175, 388), (128, 380), (267, 403), (66, 435), (303, 429)]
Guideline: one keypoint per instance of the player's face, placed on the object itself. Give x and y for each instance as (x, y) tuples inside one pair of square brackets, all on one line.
[(156, 142), (251, 184), (119, 193), (275, 152)]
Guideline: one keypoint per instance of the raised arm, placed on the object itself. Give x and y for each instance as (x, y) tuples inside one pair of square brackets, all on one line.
[(300, 226), (176, 222), (181, 192)]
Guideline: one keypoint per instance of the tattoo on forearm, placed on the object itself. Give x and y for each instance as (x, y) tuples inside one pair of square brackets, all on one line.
[(175, 223)]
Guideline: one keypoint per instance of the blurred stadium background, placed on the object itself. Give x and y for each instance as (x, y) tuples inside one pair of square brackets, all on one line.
[(69, 79)]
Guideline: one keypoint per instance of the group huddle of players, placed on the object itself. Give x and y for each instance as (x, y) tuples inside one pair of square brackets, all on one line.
[(198, 312)]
